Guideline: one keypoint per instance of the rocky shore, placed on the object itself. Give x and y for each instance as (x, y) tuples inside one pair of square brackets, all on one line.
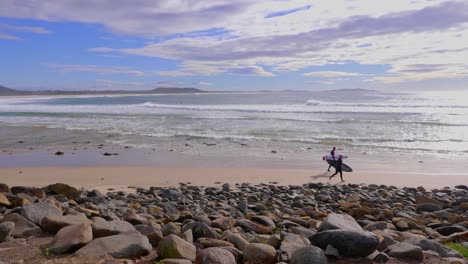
[(244, 223)]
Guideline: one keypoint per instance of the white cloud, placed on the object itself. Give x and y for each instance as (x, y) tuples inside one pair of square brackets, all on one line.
[(330, 74), (203, 83), (4, 28), (102, 70)]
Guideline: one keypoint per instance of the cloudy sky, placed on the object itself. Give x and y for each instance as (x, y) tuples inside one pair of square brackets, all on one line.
[(234, 44)]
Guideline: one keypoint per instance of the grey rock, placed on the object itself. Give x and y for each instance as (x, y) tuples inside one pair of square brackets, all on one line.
[(23, 227), (223, 223), (6, 229), (173, 246), (428, 208), (349, 243), (406, 251), (339, 221), (215, 255), (238, 241), (118, 246), (71, 238), (309, 255), (171, 228), (110, 228), (381, 225), (35, 212), (290, 244), (427, 244), (381, 258), (200, 229), (448, 230), (53, 223), (255, 253), (152, 231), (264, 220)]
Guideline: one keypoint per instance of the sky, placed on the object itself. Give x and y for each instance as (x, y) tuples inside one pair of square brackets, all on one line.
[(234, 44)]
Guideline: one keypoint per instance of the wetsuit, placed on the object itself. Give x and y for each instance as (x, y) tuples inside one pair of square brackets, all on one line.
[(331, 162), (338, 168)]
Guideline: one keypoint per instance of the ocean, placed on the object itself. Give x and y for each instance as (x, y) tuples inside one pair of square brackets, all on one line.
[(357, 120)]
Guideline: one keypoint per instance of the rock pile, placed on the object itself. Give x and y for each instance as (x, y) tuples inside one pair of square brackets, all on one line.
[(309, 224)]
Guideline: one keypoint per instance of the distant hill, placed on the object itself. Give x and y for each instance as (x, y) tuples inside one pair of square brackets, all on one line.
[(4, 91)]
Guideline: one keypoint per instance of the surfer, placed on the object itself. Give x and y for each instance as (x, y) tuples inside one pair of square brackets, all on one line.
[(338, 168), (333, 156)]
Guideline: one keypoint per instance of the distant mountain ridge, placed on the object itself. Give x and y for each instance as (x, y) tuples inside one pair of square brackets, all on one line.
[(5, 91)]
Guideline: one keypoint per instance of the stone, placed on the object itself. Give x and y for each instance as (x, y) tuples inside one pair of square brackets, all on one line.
[(238, 241), (171, 195), (263, 220), (215, 255), (35, 212), (424, 199), (136, 219), (427, 207), (175, 261), (4, 188), (427, 244), (349, 243), (173, 246), (248, 225), (171, 228), (23, 227), (405, 251), (210, 242), (4, 200), (238, 255), (255, 253), (6, 229), (152, 231), (223, 223), (72, 238), (290, 244), (110, 228), (339, 221), (200, 229), (448, 230), (53, 223), (309, 255), (130, 245), (381, 258), (63, 189), (31, 191), (381, 225)]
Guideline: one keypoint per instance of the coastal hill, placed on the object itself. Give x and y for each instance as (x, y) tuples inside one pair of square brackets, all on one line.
[(4, 91)]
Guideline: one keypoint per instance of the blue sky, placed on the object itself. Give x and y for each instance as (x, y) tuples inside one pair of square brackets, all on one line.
[(234, 45)]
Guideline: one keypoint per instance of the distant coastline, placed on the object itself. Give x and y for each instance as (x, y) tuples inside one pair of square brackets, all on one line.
[(4, 91)]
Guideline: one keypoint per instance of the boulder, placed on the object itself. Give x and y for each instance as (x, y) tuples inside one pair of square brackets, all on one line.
[(349, 243), (130, 245), (31, 191), (23, 227), (110, 228), (339, 221), (238, 241), (263, 220), (4, 200), (308, 255), (200, 229), (381, 258), (152, 231), (53, 223), (4, 188), (448, 230), (35, 212), (405, 251), (424, 199), (215, 255), (427, 207), (248, 225), (210, 242), (6, 229), (255, 253), (63, 189), (238, 255), (173, 246), (427, 244), (381, 225), (224, 223), (290, 244), (71, 238), (171, 228)]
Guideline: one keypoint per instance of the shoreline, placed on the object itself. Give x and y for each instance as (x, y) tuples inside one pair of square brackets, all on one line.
[(117, 177)]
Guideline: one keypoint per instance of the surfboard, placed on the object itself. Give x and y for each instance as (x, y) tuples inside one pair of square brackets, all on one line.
[(330, 157), (344, 167)]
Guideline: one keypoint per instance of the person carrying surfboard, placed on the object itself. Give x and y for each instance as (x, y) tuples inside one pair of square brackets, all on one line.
[(333, 155), (338, 168)]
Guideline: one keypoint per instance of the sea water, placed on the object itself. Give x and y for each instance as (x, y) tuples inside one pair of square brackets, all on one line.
[(358, 120)]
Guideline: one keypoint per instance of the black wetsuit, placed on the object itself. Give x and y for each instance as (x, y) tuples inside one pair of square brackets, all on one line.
[(338, 168), (331, 162)]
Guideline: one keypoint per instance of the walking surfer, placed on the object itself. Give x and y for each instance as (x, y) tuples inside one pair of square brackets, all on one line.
[(333, 155), (338, 168)]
